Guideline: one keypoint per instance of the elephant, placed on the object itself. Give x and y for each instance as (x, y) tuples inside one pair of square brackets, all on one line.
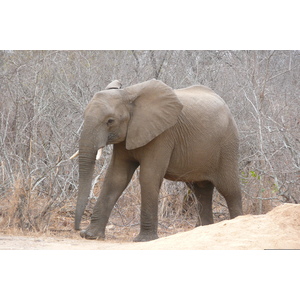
[(186, 135)]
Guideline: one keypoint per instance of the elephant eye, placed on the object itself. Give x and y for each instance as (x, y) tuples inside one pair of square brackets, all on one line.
[(110, 122)]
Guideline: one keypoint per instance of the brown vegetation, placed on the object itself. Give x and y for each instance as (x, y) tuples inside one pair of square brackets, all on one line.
[(44, 93)]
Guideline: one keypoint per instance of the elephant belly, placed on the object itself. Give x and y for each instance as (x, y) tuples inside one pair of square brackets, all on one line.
[(193, 170), (187, 175)]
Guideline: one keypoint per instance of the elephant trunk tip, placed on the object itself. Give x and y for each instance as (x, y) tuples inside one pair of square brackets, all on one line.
[(77, 224)]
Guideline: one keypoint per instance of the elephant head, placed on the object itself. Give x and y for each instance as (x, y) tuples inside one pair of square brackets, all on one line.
[(136, 115)]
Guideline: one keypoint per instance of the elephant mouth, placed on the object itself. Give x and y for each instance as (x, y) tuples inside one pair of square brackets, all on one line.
[(99, 152)]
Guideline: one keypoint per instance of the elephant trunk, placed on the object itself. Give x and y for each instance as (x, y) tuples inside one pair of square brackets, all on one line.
[(86, 169), (90, 142)]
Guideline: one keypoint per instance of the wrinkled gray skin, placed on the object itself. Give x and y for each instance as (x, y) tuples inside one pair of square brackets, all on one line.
[(184, 135)]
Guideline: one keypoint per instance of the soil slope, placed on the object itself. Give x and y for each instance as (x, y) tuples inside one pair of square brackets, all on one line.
[(278, 229)]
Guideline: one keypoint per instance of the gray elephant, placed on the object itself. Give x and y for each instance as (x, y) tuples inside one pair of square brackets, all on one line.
[(184, 135)]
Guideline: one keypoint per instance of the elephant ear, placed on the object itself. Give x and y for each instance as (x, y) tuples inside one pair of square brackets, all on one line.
[(116, 84), (155, 108)]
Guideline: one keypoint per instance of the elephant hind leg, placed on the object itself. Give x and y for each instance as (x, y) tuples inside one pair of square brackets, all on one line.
[(203, 191), (230, 190)]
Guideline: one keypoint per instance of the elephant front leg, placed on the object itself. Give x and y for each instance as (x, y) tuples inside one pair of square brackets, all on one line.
[(150, 185), (100, 216), (116, 180), (149, 219)]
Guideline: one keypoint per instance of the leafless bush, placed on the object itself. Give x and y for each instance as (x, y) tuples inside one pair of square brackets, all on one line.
[(44, 93)]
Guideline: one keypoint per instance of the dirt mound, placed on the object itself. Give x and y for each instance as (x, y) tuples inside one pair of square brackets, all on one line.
[(278, 229)]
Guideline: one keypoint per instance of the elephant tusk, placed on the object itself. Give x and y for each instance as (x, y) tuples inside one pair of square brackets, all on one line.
[(75, 154), (99, 154)]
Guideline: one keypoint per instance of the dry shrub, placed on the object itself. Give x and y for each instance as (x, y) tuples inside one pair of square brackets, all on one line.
[(26, 210), (260, 193)]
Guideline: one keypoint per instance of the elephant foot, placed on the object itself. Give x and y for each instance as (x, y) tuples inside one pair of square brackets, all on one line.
[(89, 235), (145, 237)]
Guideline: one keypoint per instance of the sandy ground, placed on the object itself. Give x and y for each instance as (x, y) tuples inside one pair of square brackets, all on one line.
[(278, 229)]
